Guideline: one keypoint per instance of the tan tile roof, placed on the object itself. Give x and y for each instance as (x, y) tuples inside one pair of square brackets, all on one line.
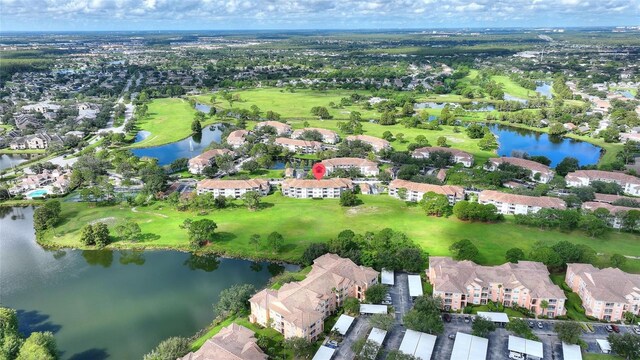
[(593, 175), (608, 198), (350, 161), (592, 205), (232, 184), (237, 136), (539, 201), (453, 152), (297, 142), (372, 140), (449, 190), (205, 157), (527, 164), (610, 284), (279, 126), (331, 183), (455, 276), (234, 342), (323, 132)]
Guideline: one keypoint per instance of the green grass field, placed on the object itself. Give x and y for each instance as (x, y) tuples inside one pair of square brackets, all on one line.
[(587, 356), (512, 88), (303, 221), (25, 151), (168, 120)]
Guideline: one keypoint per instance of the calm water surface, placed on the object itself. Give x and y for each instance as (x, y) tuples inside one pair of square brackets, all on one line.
[(11, 160), (111, 305), (186, 148)]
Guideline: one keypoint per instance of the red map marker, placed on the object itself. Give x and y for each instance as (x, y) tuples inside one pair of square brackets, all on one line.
[(318, 170)]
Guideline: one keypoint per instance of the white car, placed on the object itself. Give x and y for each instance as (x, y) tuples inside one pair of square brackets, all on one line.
[(516, 355), (636, 329)]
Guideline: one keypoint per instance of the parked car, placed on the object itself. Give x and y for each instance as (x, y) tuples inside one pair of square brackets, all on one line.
[(467, 318), (540, 326), (532, 324), (452, 336), (446, 317), (636, 329), (386, 302), (615, 328), (516, 355), (332, 344), (609, 328)]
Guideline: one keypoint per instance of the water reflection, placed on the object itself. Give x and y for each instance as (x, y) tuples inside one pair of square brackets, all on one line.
[(205, 262), (187, 148)]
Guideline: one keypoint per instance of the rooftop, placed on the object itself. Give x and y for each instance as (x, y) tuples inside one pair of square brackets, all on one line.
[(610, 284), (539, 201), (449, 190), (523, 163)]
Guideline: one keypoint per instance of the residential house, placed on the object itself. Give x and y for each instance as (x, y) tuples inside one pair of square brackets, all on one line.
[(299, 308), (198, 163), (458, 156), (26, 121), (299, 146), (415, 191), (232, 188), (328, 136), (365, 166), (377, 143), (617, 212), (281, 128), (232, 342), (37, 141), (525, 284), (539, 172), (512, 204), (606, 293), (56, 181), (610, 199), (324, 188), (237, 138), (629, 183)]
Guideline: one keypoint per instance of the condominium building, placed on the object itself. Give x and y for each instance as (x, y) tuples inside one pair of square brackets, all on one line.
[(414, 191), (458, 156), (525, 284), (237, 138), (377, 143), (606, 293), (232, 188), (324, 188), (198, 163), (328, 136), (629, 183), (365, 166), (299, 308), (511, 204), (539, 172), (300, 146), (281, 128), (616, 212), (233, 342)]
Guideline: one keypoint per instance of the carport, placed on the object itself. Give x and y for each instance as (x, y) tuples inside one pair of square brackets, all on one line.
[(377, 336), (571, 352), (604, 345), (343, 324), (533, 349), (387, 277), (415, 285), (324, 353), (469, 347), (373, 309), (418, 344), (496, 317)]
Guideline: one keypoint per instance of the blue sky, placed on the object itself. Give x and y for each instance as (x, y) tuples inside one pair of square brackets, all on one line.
[(38, 15)]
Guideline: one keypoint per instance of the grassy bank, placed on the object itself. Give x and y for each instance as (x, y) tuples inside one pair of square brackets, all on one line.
[(304, 221), (23, 151)]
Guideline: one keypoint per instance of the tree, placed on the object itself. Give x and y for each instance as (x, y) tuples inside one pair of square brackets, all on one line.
[(375, 293), (300, 347), (482, 326), (39, 346), (514, 255), (86, 236), (617, 260), (568, 332), (200, 231), (435, 204), (351, 306), (567, 165), (382, 321), (275, 240), (630, 220), (196, 126), (250, 166), (441, 141), (626, 345), (234, 299), (425, 315), (255, 240), (348, 198), (251, 199), (464, 250), (101, 234), (593, 225), (170, 349), (47, 215), (365, 349), (520, 328), (398, 355), (10, 338), (314, 251)]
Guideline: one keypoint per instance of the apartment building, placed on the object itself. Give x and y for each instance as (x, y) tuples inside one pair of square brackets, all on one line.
[(377, 143), (198, 163), (606, 293), (539, 172), (629, 183), (511, 204), (617, 212), (233, 342), (281, 128), (232, 188), (237, 138), (458, 156), (365, 166), (526, 284), (414, 191), (324, 188), (300, 146), (328, 136), (299, 308)]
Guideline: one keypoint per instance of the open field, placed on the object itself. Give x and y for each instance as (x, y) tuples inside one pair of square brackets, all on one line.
[(512, 88), (23, 151), (304, 221), (168, 120), (587, 356)]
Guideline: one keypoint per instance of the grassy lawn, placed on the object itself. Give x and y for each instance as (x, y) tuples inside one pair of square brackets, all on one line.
[(168, 120), (575, 311), (587, 356), (303, 221), (512, 88), (24, 151)]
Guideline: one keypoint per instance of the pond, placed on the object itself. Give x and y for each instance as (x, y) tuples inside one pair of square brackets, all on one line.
[(204, 108), (115, 305), (10, 160), (556, 148), (544, 89), (186, 148), (429, 105), (508, 97)]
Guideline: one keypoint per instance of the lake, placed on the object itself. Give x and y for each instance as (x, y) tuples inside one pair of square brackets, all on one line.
[(115, 305), (544, 89), (10, 160), (537, 143), (186, 148)]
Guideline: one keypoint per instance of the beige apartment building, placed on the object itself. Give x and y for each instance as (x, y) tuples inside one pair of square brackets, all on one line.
[(233, 342), (299, 308), (365, 166), (324, 188), (207, 158), (376, 143), (328, 136), (232, 188), (606, 293), (415, 191), (237, 138), (539, 172), (458, 156), (281, 128), (526, 284)]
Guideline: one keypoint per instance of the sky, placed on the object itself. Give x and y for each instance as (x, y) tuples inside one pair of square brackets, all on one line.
[(90, 15)]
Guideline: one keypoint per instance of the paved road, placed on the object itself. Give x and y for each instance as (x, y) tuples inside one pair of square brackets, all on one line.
[(359, 329)]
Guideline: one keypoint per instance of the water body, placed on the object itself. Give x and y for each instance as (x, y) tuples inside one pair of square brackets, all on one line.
[(536, 143), (10, 160), (508, 97), (111, 305), (186, 148), (627, 94), (544, 89), (204, 108), (429, 105)]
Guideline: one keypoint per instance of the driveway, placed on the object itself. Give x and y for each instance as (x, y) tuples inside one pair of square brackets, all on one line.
[(359, 329)]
